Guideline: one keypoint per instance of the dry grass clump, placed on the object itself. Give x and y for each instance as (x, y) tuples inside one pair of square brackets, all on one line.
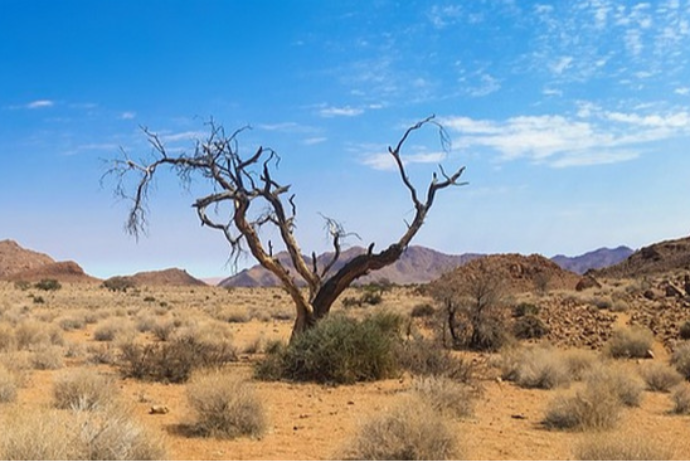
[(623, 385), (58, 435), (72, 322), (579, 362), (112, 434), (48, 358), (680, 359), (8, 386), (84, 390), (445, 396), (630, 342), (409, 431), (33, 334), (594, 408), (163, 329), (39, 435), (535, 367), (8, 341), (424, 358), (225, 406), (660, 377), (111, 329), (600, 447), (681, 399)]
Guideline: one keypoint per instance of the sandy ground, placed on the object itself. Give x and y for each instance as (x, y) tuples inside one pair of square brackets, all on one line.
[(313, 422)]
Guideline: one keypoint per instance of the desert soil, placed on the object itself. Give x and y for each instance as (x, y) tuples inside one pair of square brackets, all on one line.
[(308, 421)]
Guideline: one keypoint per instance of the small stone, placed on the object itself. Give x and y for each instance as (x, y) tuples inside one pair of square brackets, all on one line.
[(159, 409)]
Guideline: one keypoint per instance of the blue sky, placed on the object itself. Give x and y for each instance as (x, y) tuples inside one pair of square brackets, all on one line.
[(572, 118)]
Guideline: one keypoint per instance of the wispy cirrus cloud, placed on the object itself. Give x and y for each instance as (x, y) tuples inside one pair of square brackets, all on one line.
[(378, 157), (593, 137), (41, 103), (343, 111)]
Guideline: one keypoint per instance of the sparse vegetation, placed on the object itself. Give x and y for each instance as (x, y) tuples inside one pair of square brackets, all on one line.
[(594, 408), (445, 396), (660, 377), (119, 284), (84, 390), (48, 285), (632, 342), (535, 367), (409, 431), (681, 399), (620, 383), (529, 327), (225, 406), (8, 386), (680, 359), (425, 358), (600, 447), (338, 350), (172, 361)]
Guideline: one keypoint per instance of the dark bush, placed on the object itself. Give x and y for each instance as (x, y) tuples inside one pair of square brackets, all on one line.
[(371, 298), (22, 285), (48, 284), (337, 350), (349, 302), (525, 309), (118, 284), (173, 361), (685, 331), (529, 327), (422, 310)]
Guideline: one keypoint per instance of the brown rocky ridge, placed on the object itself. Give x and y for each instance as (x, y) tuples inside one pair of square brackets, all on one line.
[(167, 277), (15, 259), (63, 271), (654, 259)]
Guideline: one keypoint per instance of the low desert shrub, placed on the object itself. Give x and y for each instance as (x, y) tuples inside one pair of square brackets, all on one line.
[(83, 390), (620, 306), (445, 396), (48, 285), (8, 341), (632, 342), (71, 323), (118, 284), (8, 386), (112, 329), (684, 331), (600, 447), (225, 406), (529, 327), (338, 350), (423, 358), (48, 358), (618, 381), (593, 408), (579, 362), (172, 361), (681, 399), (680, 359), (423, 310), (38, 435), (534, 367), (32, 334), (409, 431), (525, 309), (660, 377), (162, 329)]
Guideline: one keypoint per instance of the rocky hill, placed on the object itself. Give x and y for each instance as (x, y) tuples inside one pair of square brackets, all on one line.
[(417, 265), (515, 273), (16, 259), (167, 277), (597, 259), (63, 271), (657, 258)]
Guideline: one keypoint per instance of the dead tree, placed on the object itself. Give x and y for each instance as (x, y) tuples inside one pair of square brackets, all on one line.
[(240, 183)]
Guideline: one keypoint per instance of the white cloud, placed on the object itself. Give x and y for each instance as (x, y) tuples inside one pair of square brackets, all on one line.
[(443, 16), (128, 115), (315, 140), (683, 91), (381, 159), (593, 158), (345, 111), (561, 65), (594, 137), (41, 103)]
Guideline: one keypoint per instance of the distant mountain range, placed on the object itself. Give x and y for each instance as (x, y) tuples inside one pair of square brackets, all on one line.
[(600, 258), (419, 265), (657, 258)]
